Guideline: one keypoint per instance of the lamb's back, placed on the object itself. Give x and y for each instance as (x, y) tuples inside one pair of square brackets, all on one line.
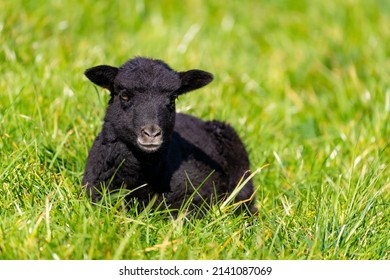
[(209, 150)]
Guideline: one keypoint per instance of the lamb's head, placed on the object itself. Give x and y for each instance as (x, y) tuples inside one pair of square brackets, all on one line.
[(141, 110)]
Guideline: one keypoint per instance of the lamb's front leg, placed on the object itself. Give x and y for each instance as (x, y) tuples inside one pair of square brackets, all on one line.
[(100, 171)]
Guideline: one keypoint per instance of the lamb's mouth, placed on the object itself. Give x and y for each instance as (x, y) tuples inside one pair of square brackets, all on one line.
[(149, 147)]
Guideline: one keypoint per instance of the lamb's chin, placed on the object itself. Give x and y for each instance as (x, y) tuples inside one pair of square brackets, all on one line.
[(149, 148)]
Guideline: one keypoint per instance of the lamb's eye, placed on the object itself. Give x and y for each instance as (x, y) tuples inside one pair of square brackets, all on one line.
[(124, 96)]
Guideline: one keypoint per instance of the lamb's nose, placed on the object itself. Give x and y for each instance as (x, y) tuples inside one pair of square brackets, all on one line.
[(152, 132)]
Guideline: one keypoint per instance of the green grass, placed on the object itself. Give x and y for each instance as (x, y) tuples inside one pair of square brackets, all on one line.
[(305, 83)]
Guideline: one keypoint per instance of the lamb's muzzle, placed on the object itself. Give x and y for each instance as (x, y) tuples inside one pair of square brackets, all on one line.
[(150, 138)]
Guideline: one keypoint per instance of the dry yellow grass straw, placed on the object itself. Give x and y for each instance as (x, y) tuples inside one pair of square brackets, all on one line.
[(227, 202)]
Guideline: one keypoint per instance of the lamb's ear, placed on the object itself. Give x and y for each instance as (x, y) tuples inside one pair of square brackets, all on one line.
[(194, 79), (102, 75)]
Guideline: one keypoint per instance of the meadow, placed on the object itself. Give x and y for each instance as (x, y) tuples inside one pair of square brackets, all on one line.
[(306, 84)]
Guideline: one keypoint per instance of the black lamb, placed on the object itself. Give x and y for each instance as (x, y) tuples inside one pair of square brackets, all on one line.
[(149, 149)]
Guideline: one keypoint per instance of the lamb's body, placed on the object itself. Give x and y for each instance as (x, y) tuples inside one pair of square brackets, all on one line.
[(207, 158)]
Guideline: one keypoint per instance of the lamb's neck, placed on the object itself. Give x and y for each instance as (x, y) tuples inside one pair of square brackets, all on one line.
[(150, 162), (154, 171)]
